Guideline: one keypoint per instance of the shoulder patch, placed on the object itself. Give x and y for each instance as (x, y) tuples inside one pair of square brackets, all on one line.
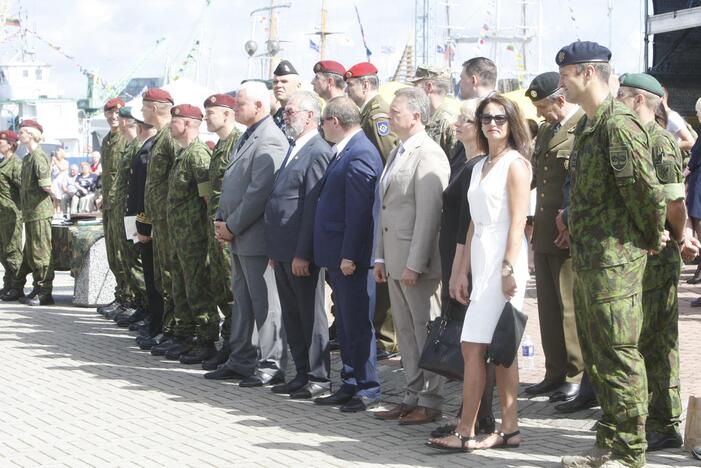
[(382, 127), (619, 157)]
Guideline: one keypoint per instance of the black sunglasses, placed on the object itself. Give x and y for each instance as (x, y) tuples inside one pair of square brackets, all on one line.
[(499, 119)]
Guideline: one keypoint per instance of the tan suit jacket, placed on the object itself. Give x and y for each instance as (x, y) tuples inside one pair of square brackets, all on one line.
[(410, 216)]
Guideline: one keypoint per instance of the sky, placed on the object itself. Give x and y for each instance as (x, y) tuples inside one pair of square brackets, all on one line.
[(140, 38)]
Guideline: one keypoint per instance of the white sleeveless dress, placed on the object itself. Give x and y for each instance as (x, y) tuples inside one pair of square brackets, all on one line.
[(490, 215)]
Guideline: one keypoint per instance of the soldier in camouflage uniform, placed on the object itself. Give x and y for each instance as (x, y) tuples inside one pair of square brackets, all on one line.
[(616, 215), (362, 86), (157, 104), (436, 82), (188, 225), (110, 152), (129, 258), (219, 115), (659, 342), (10, 215), (37, 210)]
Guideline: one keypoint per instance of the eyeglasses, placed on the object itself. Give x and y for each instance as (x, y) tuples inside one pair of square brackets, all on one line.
[(499, 119), (293, 112)]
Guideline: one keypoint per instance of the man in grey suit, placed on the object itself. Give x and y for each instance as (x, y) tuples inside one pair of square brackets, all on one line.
[(248, 182), (407, 257), (289, 225)]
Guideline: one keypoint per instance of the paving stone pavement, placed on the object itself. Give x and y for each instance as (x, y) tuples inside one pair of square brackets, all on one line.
[(76, 392)]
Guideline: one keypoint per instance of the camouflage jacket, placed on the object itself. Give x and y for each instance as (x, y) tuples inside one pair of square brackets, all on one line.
[(10, 183), (161, 157), (617, 208), (36, 203), (217, 167), (120, 183), (110, 152), (188, 183), (374, 120), (441, 128)]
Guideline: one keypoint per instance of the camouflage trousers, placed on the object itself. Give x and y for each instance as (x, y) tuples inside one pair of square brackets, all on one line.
[(122, 293), (11, 249), (220, 271), (659, 345), (195, 312), (609, 322), (162, 271), (37, 255), (128, 259)]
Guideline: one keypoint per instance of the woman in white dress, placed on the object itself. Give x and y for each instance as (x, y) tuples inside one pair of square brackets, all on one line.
[(497, 257)]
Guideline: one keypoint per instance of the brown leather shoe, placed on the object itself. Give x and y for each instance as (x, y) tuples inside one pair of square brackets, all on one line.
[(395, 413), (421, 415)]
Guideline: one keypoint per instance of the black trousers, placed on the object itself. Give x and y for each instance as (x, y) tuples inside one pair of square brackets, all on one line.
[(155, 300)]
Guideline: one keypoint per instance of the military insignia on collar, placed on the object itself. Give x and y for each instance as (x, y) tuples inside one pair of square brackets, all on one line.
[(534, 93), (618, 157), (561, 57), (382, 127)]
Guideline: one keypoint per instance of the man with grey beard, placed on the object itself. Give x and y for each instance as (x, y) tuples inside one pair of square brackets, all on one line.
[(289, 223)]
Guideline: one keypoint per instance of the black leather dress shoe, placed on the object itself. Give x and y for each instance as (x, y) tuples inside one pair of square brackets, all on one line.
[(566, 392), (181, 347), (289, 387), (543, 387), (224, 373), (102, 310), (12, 295), (161, 348), (311, 390), (198, 354), (340, 397), (124, 322), (38, 300), (696, 452), (261, 379), (218, 359), (658, 441), (578, 403), (357, 404), (149, 342)]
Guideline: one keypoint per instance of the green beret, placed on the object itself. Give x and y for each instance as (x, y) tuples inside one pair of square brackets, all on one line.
[(543, 86), (125, 112), (582, 52), (642, 81)]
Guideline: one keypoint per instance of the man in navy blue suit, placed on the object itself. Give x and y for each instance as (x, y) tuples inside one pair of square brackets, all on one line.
[(344, 229)]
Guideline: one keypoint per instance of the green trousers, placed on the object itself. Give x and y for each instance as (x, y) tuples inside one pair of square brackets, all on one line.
[(162, 271), (37, 255), (11, 249)]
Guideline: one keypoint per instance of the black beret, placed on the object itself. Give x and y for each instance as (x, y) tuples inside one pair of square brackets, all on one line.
[(543, 86), (582, 52), (285, 68)]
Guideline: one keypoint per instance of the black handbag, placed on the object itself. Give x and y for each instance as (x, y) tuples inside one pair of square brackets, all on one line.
[(507, 336), (442, 353)]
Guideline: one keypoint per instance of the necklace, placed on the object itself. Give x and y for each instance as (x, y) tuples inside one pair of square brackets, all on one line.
[(499, 155)]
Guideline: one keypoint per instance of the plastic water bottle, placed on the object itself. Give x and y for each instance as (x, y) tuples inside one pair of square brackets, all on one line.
[(528, 353)]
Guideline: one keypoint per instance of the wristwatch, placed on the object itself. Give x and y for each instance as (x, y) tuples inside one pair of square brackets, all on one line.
[(506, 269)]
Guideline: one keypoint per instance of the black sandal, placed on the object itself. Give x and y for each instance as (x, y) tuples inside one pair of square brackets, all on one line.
[(463, 441), (504, 439)]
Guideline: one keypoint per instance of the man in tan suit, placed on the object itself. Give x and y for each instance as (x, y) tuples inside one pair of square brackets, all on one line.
[(407, 257), (553, 266)]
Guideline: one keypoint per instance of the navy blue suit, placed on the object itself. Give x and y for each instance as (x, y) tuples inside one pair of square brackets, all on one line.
[(344, 227)]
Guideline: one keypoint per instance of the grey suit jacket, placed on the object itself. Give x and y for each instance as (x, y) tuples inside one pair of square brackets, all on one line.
[(411, 195), (289, 213), (247, 184)]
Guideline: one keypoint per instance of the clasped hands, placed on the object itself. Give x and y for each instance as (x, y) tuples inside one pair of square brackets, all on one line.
[(222, 233)]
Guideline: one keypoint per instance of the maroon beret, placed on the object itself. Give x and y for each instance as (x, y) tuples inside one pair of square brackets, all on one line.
[(360, 69), (31, 123), (186, 110), (222, 100), (114, 103), (329, 66), (9, 136), (157, 95)]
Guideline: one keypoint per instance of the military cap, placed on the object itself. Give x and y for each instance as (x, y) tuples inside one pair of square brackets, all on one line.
[(360, 69), (114, 103), (642, 81), (221, 100), (285, 68), (9, 136), (268, 83), (582, 52), (33, 124), (186, 111), (329, 66), (543, 85), (430, 72), (157, 95), (125, 113), (137, 115)]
